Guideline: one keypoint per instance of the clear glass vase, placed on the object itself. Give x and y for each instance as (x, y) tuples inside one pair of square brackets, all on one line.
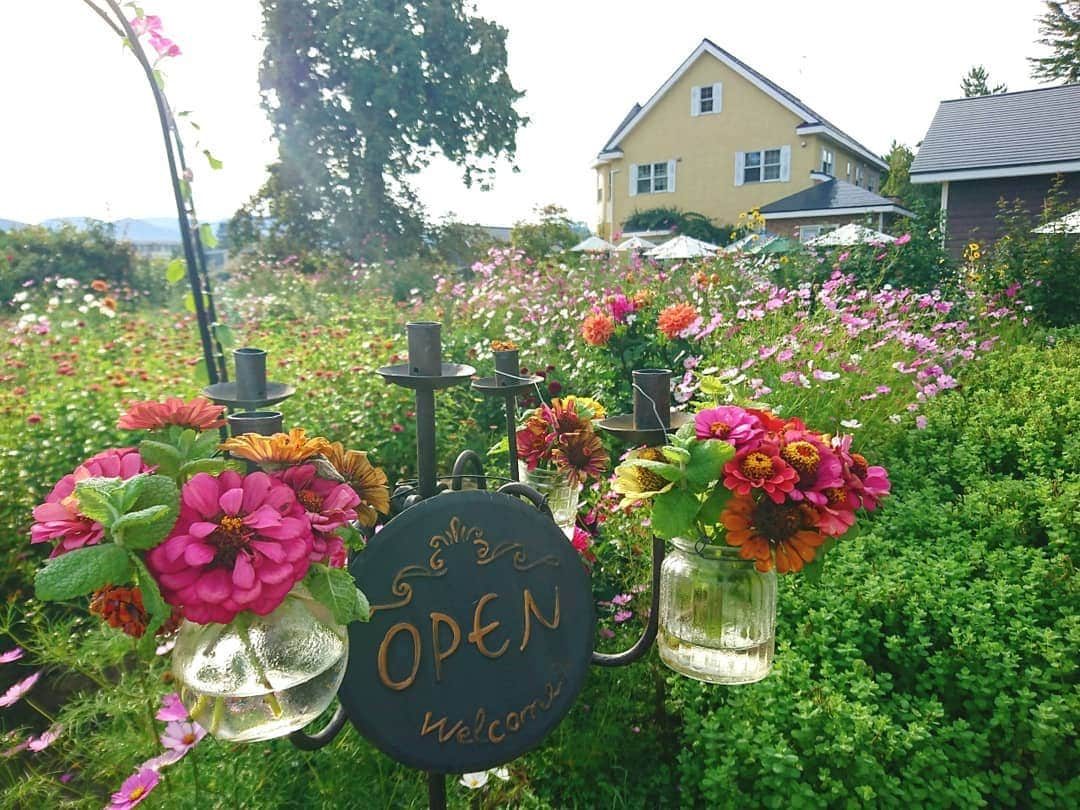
[(260, 677), (717, 614), (562, 492)]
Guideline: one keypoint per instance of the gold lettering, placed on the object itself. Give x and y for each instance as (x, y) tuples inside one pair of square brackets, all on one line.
[(532, 610), (478, 725), (464, 735), (479, 631), (491, 732), (384, 648), (441, 655), (438, 727), (516, 724)]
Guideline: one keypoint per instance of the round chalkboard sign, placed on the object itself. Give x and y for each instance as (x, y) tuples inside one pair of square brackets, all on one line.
[(480, 636)]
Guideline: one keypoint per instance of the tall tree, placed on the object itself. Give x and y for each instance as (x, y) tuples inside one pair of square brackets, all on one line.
[(898, 183), (362, 94), (1060, 29), (977, 83)]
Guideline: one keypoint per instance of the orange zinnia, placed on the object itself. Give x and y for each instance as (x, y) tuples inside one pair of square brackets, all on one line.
[(277, 451), (676, 319), (764, 530), (368, 481)]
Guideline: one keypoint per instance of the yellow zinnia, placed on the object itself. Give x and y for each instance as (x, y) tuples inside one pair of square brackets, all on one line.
[(637, 483), (368, 481), (277, 451)]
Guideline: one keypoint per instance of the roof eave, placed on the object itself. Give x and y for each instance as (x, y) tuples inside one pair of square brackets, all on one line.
[(819, 128), (991, 172), (839, 212)]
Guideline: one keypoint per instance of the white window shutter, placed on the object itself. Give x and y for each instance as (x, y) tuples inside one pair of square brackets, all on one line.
[(740, 165), (717, 97), (785, 164), (633, 179), (671, 175), (695, 101)]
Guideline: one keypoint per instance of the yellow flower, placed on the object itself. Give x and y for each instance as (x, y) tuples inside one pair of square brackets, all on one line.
[(637, 483), (589, 408), (277, 451), (368, 481)]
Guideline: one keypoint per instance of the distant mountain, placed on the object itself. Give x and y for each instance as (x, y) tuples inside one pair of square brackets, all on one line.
[(152, 229)]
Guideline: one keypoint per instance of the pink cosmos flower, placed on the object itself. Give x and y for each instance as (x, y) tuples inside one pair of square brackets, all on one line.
[(903, 240), (180, 736), (13, 654), (167, 757), (59, 517), (329, 505), (171, 708), (240, 543), (149, 23), (17, 690), (164, 46), (47, 738), (729, 423), (760, 467), (622, 616), (622, 599), (135, 788)]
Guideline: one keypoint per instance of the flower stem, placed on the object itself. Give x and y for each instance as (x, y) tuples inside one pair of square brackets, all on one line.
[(242, 625)]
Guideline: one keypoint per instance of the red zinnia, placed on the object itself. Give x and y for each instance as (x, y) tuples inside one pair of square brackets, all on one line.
[(198, 414), (762, 467)]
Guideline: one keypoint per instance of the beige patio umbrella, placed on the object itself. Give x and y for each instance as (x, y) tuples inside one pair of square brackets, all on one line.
[(594, 244), (850, 234), (1070, 223), (683, 247), (635, 243)]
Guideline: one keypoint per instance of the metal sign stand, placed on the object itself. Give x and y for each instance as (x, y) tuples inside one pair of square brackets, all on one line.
[(426, 373)]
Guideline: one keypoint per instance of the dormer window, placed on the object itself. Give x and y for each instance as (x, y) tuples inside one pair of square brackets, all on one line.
[(827, 161), (706, 99), (858, 175)]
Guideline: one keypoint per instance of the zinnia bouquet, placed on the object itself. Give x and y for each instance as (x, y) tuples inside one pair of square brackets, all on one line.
[(560, 436), (778, 491), (173, 529)]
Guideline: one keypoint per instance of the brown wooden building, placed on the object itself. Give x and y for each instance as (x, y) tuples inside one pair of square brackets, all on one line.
[(1010, 146)]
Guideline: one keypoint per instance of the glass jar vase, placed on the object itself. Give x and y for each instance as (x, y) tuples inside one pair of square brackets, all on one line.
[(260, 677), (717, 614), (562, 493)]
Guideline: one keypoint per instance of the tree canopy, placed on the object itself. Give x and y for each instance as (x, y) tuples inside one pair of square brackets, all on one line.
[(362, 94), (897, 182), (1060, 29), (977, 83)]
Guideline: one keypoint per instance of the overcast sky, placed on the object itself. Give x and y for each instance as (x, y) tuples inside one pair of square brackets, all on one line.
[(79, 137)]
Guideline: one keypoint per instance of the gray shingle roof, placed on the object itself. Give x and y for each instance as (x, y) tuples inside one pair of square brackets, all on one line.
[(1008, 129), (828, 195)]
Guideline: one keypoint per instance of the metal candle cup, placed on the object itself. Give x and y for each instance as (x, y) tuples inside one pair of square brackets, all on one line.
[(264, 423), (425, 348), (250, 374), (507, 367), (652, 398)]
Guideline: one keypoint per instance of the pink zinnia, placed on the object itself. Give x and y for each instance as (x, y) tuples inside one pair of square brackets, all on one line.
[(329, 505), (729, 423), (869, 484), (198, 414), (760, 467), (240, 543), (135, 788), (59, 517), (620, 307), (818, 466)]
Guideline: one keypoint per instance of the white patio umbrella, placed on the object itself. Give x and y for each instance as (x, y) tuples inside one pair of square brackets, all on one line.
[(1070, 223), (594, 244), (850, 234), (635, 243), (683, 247)]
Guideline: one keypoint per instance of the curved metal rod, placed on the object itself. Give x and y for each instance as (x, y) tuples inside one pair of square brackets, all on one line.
[(463, 460), (525, 491), (313, 742), (649, 636)]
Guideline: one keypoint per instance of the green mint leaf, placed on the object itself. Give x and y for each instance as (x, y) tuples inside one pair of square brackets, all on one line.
[(164, 456), (707, 460), (99, 499), (714, 505), (175, 271), (82, 572), (673, 513), (213, 466), (158, 611), (153, 513), (336, 589)]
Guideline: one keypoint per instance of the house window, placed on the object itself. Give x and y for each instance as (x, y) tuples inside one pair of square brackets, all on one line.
[(652, 178), (762, 166), (858, 175), (849, 171), (705, 99), (808, 232), (827, 159)]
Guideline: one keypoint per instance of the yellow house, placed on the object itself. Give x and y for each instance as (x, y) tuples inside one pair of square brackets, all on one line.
[(721, 139)]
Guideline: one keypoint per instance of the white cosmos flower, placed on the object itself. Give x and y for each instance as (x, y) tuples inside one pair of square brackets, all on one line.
[(474, 781)]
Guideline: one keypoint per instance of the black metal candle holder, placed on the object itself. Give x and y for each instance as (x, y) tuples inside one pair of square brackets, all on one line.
[(425, 373), (250, 391)]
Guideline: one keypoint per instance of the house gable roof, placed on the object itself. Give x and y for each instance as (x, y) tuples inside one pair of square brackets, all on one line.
[(812, 121), (1003, 135), (833, 197)]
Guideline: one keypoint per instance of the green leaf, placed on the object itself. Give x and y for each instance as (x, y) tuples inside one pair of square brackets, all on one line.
[(676, 455), (213, 466), (99, 499), (159, 79), (213, 161), (711, 386), (714, 505), (673, 513), (202, 376), (161, 455), (669, 472), (336, 589), (185, 190), (707, 460), (82, 572), (206, 234), (153, 513), (224, 335), (175, 271), (352, 536), (158, 611)]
